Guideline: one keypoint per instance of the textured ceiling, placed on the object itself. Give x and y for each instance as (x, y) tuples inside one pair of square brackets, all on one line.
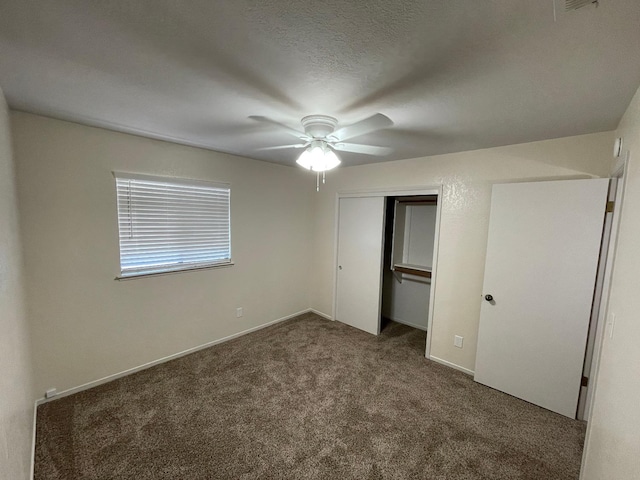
[(452, 75)]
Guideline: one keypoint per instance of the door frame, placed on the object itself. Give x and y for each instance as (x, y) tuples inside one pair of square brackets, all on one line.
[(618, 172), (395, 192)]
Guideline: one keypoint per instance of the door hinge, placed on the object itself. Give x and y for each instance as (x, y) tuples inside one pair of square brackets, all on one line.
[(610, 206), (584, 382)]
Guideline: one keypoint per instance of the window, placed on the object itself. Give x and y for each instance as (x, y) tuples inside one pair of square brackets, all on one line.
[(168, 224)]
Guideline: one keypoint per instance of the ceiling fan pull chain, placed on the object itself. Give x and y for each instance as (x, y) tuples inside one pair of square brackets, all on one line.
[(318, 182), (323, 176)]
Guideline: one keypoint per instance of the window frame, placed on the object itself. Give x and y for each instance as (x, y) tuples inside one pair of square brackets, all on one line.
[(169, 270)]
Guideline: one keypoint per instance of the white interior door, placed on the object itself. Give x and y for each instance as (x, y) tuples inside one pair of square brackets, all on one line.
[(359, 268), (542, 256)]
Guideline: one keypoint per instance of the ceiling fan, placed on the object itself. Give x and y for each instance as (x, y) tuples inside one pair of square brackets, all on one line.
[(321, 139)]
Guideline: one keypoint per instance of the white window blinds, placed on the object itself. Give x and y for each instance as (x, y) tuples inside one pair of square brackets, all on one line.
[(168, 224)]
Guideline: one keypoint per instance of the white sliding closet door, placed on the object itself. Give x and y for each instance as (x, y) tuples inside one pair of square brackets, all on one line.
[(359, 268)]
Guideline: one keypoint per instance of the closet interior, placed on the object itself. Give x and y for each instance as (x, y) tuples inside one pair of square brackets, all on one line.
[(408, 259)]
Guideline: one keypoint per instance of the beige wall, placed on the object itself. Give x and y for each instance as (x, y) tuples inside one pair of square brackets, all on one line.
[(466, 179), (85, 324), (16, 395), (613, 445)]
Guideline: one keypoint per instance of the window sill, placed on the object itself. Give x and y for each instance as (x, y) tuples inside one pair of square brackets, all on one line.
[(134, 276)]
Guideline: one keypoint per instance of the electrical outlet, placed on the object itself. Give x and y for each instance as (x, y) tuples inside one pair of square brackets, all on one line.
[(239, 312), (457, 341), (52, 392)]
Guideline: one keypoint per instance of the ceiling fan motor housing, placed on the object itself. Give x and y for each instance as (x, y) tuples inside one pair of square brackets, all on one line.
[(319, 126)]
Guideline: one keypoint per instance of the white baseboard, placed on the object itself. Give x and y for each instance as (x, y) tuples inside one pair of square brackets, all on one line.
[(323, 315), (115, 376), (409, 324), (452, 365)]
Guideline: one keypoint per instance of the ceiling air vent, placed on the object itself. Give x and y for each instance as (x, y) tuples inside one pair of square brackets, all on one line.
[(576, 4), (564, 7)]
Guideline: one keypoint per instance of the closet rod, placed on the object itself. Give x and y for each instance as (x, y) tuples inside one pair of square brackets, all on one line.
[(418, 202)]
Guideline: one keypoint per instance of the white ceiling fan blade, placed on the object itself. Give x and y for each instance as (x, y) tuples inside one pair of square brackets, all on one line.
[(368, 125), (282, 147), (363, 149), (282, 126)]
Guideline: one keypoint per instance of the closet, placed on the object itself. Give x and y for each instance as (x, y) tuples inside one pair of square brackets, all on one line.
[(385, 258), (408, 259)]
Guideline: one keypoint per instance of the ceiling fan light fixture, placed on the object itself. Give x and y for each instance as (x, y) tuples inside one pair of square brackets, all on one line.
[(318, 157)]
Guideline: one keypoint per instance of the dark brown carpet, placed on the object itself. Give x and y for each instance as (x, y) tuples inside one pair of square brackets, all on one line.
[(304, 399)]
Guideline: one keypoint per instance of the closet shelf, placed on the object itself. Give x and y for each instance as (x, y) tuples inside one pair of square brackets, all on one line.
[(411, 269)]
